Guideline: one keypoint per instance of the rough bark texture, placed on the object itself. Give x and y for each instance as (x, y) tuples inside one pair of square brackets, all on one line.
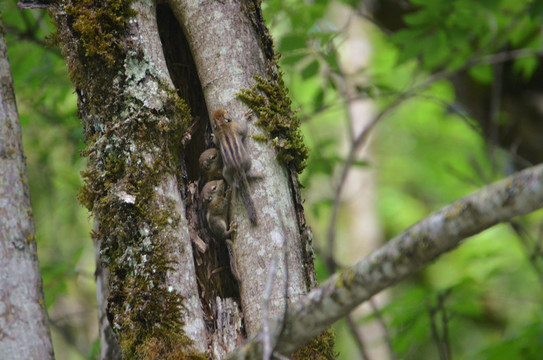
[(134, 125), (229, 49), (403, 255), (24, 331), (148, 77)]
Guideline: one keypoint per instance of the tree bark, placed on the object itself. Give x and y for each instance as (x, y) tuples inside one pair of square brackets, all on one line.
[(230, 46), (133, 124), (146, 87), (24, 330)]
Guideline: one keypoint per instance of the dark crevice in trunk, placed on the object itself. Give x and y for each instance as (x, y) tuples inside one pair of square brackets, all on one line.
[(185, 78)]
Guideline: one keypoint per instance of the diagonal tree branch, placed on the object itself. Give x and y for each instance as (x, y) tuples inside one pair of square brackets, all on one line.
[(402, 256)]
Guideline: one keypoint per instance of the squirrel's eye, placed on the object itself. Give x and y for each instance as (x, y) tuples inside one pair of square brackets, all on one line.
[(214, 187), (227, 120), (213, 157)]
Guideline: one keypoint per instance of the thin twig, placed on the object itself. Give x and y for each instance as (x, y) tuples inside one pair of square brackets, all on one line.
[(495, 106), (445, 323), (532, 248), (357, 337), (500, 57), (442, 341), (377, 312), (433, 328), (332, 266), (357, 144)]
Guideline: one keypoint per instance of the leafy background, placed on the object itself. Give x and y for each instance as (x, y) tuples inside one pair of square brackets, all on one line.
[(485, 298)]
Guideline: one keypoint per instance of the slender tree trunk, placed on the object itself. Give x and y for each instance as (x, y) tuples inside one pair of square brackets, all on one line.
[(24, 331)]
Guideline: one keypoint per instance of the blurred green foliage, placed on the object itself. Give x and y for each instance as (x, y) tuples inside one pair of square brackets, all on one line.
[(427, 153)]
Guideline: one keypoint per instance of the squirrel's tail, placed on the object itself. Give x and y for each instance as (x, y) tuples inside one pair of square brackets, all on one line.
[(247, 200)]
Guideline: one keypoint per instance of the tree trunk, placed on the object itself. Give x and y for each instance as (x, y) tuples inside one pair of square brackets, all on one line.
[(230, 46), (24, 331), (148, 77)]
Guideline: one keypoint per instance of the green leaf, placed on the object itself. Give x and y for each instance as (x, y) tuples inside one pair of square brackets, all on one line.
[(411, 43), (537, 9), (310, 70), (292, 58), (292, 42), (319, 99), (331, 60), (526, 67), (437, 50), (421, 17), (482, 73)]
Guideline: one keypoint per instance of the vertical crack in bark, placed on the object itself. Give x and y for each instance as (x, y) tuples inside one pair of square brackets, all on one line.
[(184, 76)]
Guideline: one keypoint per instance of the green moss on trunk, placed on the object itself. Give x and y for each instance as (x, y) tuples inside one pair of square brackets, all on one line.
[(132, 146), (269, 100), (320, 348)]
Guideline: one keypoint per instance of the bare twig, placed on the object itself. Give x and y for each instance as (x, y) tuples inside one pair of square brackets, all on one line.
[(357, 144), (532, 248), (332, 266), (445, 323), (386, 332), (495, 106), (442, 341), (357, 336)]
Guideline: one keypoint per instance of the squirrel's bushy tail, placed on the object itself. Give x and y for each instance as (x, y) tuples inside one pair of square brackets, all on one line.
[(247, 200)]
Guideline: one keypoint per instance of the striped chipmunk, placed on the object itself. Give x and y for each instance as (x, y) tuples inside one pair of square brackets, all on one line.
[(229, 138)]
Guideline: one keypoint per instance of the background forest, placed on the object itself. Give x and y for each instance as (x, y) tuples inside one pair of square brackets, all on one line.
[(454, 91)]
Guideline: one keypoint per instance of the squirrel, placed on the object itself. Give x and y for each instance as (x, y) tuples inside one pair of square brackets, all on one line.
[(210, 165), (229, 137), (216, 200)]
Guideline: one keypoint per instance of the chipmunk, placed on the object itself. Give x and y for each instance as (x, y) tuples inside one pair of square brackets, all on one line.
[(229, 137), (216, 199), (210, 165)]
